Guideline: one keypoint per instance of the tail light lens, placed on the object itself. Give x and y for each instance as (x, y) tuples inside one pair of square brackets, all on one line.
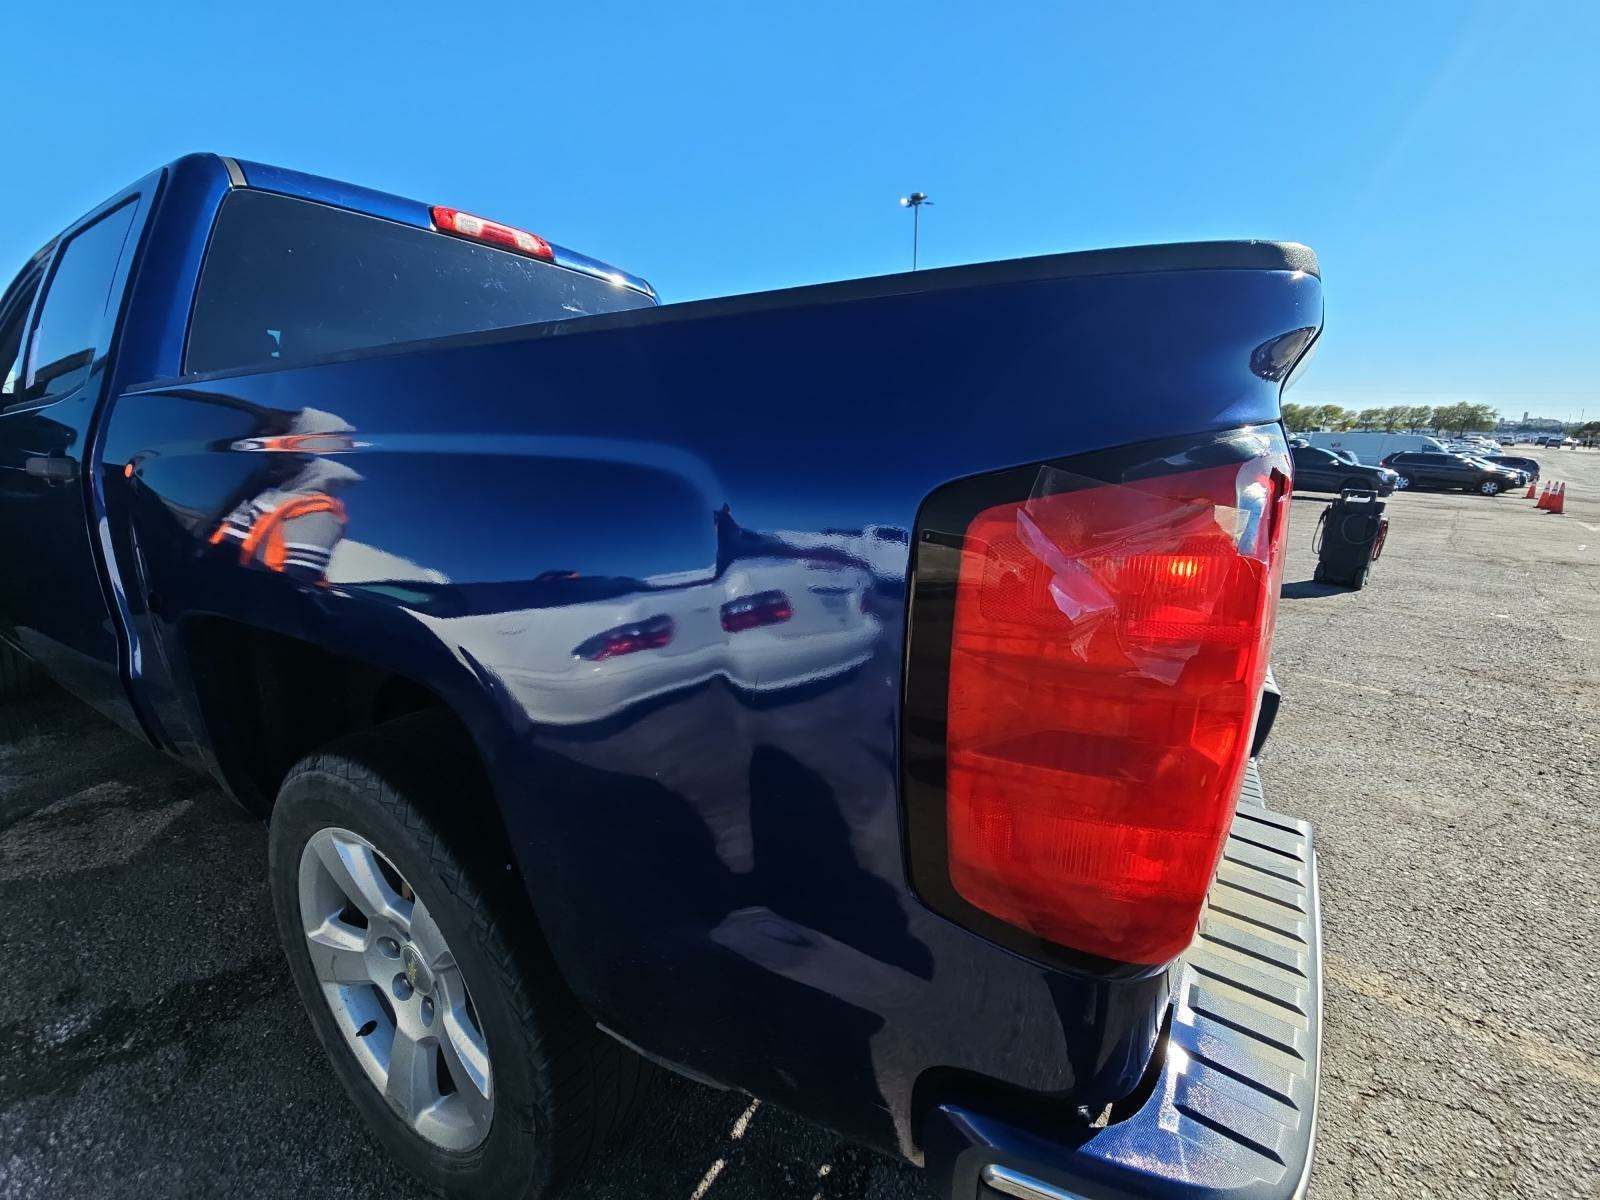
[(1107, 642), (651, 634), (754, 611)]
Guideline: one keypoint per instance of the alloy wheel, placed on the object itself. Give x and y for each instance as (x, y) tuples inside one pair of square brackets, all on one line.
[(395, 990)]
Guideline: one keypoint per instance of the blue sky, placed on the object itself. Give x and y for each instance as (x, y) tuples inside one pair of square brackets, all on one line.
[(1444, 160)]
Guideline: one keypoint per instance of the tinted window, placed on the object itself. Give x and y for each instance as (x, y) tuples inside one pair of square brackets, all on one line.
[(13, 319), (73, 323), (287, 280)]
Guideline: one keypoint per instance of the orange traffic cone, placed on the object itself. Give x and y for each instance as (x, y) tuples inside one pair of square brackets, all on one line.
[(1558, 503), (1544, 496), (1532, 490)]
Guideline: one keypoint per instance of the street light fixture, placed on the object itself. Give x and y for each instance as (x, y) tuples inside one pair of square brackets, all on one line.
[(914, 202)]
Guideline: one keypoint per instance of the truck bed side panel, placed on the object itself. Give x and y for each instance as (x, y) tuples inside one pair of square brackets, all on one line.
[(710, 831)]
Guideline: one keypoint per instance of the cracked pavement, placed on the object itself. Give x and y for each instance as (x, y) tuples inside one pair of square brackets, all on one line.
[(1440, 728)]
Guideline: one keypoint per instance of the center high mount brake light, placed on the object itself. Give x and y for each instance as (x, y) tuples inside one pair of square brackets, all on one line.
[(492, 233)]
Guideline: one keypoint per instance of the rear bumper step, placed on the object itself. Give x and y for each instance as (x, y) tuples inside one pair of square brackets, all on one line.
[(1233, 1113)]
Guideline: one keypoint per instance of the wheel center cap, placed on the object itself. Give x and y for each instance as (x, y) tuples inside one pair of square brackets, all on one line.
[(417, 973)]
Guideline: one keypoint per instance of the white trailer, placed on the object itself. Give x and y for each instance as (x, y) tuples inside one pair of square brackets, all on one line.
[(1370, 447)]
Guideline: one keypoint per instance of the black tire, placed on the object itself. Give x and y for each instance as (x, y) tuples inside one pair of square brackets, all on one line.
[(562, 1088), (1360, 580), (18, 676), (1490, 487), (1404, 483)]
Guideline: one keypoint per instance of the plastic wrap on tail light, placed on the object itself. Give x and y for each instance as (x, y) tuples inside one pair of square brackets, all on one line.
[(1108, 642)]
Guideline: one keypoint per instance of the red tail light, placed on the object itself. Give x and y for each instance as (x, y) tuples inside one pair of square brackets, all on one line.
[(754, 611), (480, 229), (651, 634), (1108, 643)]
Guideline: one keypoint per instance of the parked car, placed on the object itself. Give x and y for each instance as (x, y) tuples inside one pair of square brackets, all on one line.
[(630, 682), (1528, 466), (1346, 456), (1422, 469), (1372, 447), (1520, 477), (1318, 470)]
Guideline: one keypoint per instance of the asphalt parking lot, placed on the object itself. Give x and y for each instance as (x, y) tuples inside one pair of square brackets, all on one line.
[(1441, 728)]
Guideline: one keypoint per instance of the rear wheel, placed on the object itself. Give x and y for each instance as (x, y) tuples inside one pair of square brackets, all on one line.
[(458, 1042), (1402, 482)]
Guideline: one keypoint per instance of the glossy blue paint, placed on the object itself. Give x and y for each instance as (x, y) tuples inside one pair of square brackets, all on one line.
[(718, 812), (54, 592)]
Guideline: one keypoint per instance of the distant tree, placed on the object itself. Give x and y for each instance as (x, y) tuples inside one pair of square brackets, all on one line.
[(1419, 416), (1393, 417), (1297, 417), (1444, 415), (1458, 418), (1370, 418), (1333, 416)]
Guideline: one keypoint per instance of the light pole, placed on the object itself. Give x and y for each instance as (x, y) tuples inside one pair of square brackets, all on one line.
[(914, 202)]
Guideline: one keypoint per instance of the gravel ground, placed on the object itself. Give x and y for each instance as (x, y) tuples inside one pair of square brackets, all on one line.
[(1440, 728)]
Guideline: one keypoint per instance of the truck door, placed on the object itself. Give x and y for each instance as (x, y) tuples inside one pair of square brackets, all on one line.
[(61, 318)]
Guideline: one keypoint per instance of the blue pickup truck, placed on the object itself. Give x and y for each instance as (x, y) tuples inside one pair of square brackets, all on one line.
[(847, 695)]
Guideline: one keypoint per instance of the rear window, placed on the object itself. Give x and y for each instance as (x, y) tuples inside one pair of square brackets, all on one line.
[(286, 280)]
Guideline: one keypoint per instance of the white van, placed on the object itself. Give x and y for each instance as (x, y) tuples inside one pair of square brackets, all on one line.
[(1370, 447)]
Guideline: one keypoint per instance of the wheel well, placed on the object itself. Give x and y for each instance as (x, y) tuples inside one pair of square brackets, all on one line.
[(268, 700)]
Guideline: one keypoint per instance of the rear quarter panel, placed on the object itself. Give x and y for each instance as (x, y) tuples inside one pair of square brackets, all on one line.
[(715, 858)]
